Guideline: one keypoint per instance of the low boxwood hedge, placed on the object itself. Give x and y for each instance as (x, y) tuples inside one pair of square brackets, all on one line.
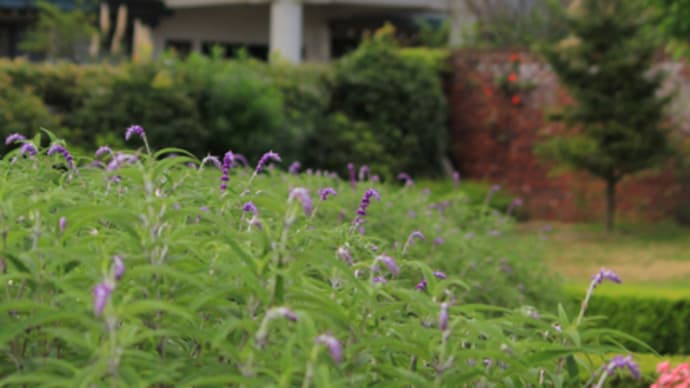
[(663, 322)]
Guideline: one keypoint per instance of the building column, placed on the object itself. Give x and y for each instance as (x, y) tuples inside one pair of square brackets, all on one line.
[(286, 29), (143, 42), (463, 23)]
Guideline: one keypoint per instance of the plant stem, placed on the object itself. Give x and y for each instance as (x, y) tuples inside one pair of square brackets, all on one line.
[(309, 374), (585, 303), (601, 381)]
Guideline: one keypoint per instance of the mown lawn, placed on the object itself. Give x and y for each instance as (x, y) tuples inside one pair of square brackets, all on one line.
[(652, 259), (647, 257)]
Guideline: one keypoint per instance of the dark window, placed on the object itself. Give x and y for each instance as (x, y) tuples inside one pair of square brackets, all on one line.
[(180, 47), (5, 41), (258, 51)]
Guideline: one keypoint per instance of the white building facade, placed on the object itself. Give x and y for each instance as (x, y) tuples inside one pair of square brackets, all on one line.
[(296, 30)]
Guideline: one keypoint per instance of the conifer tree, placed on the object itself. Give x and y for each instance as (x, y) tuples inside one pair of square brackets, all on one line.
[(615, 123)]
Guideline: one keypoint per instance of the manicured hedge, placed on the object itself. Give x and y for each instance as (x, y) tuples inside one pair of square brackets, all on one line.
[(662, 323)]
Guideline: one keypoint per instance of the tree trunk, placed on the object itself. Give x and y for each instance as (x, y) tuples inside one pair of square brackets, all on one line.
[(610, 203)]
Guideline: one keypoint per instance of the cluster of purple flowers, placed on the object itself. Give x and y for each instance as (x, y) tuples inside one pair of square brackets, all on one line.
[(364, 204), (424, 283), (326, 192), (241, 159), (102, 291), (604, 273), (344, 254), (27, 148), (213, 159), (274, 313), (58, 148), (389, 262), (294, 168), (443, 316), (228, 160), (104, 150), (249, 207), (267, 157), (302, 195), (119, 159), (134, 130), (363, 173), (406, 178), (333, 346), (416, 235), (620, 362), (14, 138)]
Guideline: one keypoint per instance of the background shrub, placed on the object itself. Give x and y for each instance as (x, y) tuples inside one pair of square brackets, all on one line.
[(381, 105), (401, 100), (146, 95), (21, 111)]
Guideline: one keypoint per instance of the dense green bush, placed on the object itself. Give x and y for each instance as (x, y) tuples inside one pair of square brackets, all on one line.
[(145, 273), (662, 323), (21, 110), (366, 108), (147, 95), (401, 100)]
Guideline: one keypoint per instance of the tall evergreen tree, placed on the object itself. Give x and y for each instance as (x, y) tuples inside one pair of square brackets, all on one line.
[(615, 124)]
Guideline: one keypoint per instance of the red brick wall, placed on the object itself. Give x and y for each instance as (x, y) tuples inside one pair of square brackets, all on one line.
[(493, 139)]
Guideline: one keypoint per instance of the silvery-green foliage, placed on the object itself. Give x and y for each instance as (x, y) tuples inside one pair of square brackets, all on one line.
[(144, 272)]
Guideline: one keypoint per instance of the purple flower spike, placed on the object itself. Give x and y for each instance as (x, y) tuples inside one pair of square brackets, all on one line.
[(421, 285), (287, 314), (294, 168), (375, 179), (517, 202), (351, 170), (57, 148), (249, 207), (403, 176), (443, 317), (13, 138), (119, 159), (243, 160), (379, 279), (456, 178), (302, 195), (605, 274), (267, 157), (134, 130), (118, 267), (364, 204), (440, 275), (103, 150), (363, 173), (213, 159), (389, 263), (28, 149), (344, 254), (416, 235), (439, 241), (62, 224), (101, 295), (326, 192), (333, 346), (228, 160), (620, 362)]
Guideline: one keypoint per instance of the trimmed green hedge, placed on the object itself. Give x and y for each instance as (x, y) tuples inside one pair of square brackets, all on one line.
[(662, 323)]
